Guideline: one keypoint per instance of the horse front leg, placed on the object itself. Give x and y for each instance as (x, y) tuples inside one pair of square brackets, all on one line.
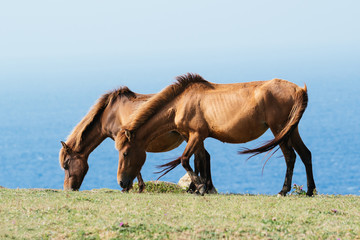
[(199, 161), (193, 144), (202, 164), (140, 183)]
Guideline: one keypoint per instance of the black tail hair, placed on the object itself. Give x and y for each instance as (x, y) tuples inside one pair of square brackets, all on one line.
[(168, 166)]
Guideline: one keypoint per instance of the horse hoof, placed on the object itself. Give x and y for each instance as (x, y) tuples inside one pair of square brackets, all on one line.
[(281, 194), (310, 194), (141, 188), (202, 189), (190, 191)]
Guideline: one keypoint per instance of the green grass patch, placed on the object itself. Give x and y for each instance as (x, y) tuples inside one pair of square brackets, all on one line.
[(159, 187), (111, 214)]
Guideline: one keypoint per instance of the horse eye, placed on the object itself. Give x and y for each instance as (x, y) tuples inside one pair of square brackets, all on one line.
[(66, 166), (125, 154)]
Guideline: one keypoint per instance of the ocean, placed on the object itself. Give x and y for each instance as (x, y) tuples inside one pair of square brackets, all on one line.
[(37, 114)]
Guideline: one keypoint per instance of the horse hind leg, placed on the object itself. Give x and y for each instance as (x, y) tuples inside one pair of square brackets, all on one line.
[(290, 157), (305, 156)]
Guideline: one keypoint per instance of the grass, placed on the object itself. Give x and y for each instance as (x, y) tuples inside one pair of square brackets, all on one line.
[(110, 214), (159, 187)]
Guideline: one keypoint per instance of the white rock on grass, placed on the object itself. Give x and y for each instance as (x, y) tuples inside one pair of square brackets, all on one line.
[(185, 181)]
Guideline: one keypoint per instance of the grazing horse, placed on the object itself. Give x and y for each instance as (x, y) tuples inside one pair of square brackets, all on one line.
[(105, 119), (232, 113)]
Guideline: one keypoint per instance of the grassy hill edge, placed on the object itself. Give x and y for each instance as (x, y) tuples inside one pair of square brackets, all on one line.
[(111, 214)]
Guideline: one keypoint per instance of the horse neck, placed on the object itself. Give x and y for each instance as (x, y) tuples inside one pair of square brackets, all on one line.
[(91, 139), (161, 123), (108, 124), (119, 114)]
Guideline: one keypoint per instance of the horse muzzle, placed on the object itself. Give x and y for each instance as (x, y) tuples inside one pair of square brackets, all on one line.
[(70, 185), (125, 183)]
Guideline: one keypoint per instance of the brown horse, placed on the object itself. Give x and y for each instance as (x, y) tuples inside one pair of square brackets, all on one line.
[(233, 113), (105, 119)]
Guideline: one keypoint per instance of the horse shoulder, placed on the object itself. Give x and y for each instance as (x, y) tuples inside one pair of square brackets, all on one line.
[(188, 113)]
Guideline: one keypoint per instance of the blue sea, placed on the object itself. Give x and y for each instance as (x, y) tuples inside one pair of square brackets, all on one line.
[(39, 111)]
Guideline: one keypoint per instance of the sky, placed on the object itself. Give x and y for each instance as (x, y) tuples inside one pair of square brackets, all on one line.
[(105, 43)]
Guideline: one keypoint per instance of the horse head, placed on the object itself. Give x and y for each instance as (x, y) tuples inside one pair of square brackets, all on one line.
[(131, 158), (75, 166)]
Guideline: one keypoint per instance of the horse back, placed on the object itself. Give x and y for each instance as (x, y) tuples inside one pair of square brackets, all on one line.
[(236, 113)]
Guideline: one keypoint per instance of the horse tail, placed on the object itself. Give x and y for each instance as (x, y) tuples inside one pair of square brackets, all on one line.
[(168, 166), (301, 100)]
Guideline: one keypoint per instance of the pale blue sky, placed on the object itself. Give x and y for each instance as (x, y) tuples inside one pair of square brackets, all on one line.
[(129, 41)]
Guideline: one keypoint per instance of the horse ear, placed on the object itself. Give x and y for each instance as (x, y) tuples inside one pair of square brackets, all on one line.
[(128, 134), (66, 147)]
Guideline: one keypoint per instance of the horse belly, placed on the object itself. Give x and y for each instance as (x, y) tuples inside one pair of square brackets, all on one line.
[(239, 128), (165, 142)]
